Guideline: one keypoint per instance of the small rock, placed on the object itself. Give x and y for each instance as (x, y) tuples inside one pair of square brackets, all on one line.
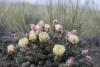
[(41, 62), (0, 50), (32, 65), (26, 64), (48, 64), (55, 64)]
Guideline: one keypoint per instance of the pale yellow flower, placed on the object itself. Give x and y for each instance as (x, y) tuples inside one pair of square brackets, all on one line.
[(11, 49), (22, 42), (58, 50), (58, 27), (43, 37), (47, 27), (32, 36), (74, 39)]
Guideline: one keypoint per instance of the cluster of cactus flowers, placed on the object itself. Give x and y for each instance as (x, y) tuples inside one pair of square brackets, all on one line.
[(50, 46)]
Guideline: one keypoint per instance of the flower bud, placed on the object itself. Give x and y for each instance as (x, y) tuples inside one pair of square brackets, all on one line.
[(74, 32), (32, 26), (22, 42), (43, 37), (32, 36), (55, 22), (27, 35), (58, 50), (35, 46), (88, 58), (69, 62), (36, 29), (41, 24), (74, 39), (11, 49), (84, 52), (25, 48), (58, 28), (47, 27), (16, 38), (67, 34)]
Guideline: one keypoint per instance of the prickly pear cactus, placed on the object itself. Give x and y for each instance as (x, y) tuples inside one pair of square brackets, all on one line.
[(50, 46)]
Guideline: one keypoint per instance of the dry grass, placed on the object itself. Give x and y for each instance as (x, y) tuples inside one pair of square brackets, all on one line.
[(18, 16)]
